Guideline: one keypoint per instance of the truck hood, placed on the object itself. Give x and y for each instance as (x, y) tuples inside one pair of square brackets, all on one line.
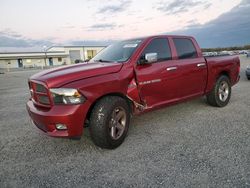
[(57, 77)]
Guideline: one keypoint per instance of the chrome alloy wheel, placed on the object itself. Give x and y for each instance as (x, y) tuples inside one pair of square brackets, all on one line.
[(117, 123), (223, 91)]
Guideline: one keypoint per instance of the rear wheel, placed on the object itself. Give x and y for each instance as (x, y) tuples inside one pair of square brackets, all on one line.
[(221, 93), (109, 122), (248, 78)]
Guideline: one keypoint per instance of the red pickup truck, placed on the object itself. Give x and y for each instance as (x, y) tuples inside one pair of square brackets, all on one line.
[(127, 78)]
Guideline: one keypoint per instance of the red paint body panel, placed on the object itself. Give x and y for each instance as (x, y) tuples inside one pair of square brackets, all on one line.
[(227, 64), (148, 87), (56, 77), (72, 116)]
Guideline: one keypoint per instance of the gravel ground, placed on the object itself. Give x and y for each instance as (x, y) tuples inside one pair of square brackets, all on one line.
[(186, 145)]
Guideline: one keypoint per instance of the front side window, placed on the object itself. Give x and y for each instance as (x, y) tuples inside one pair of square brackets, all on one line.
[(159, 46), (185, 48), (118, 52)]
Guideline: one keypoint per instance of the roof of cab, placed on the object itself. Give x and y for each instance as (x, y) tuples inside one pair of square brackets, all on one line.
[(156, 36)]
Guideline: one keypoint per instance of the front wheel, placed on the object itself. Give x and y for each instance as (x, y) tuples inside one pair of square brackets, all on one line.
[(221, 93), (109, 122)]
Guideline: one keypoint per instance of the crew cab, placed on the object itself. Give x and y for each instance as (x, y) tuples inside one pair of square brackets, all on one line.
[(127, 78)]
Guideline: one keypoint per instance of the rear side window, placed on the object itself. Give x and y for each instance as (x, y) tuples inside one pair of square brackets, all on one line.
[(159, 46), (185, 48)]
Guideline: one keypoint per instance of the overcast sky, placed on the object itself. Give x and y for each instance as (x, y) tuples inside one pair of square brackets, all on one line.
[(27, 23)]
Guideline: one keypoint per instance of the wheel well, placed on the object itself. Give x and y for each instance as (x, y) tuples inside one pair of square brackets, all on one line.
[(129, 102), (225, 73)]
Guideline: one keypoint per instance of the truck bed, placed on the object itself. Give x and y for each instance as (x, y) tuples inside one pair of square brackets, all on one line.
[(223, 58), (229, 65)]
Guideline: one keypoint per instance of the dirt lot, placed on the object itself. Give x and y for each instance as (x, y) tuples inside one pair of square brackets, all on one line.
[(187, 145)]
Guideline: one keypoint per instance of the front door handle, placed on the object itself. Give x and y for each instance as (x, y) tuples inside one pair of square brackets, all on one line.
[(171, 68), (201, 64)]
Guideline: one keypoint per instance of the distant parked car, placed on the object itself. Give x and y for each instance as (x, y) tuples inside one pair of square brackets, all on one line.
[(231, 53), (243, 52), (211, 54), (205, 54), (248, 72), (224, 53)]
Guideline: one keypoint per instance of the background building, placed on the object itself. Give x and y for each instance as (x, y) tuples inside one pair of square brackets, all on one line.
[(78, 52), (53, 56)]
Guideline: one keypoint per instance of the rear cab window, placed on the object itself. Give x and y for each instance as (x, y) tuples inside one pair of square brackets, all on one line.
[(185, 48)]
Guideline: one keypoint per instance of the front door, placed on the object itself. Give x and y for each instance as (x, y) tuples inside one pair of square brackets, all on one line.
[(158, 82)]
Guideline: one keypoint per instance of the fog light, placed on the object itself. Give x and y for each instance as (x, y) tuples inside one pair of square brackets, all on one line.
[(60, 126)]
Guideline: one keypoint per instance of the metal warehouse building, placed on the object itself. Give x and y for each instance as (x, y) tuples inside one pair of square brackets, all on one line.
[(53, 56)]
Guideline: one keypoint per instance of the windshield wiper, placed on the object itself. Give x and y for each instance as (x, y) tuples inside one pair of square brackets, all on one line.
[(103, 61)]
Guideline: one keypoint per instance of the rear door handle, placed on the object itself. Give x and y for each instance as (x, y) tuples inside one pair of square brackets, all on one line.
[(201, 64), (171, 68)]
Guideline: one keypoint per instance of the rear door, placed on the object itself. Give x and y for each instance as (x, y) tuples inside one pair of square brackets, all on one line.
[(158, 82), (192, 68)]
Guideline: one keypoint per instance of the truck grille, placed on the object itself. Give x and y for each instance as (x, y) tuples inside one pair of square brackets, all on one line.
[(39, 94)]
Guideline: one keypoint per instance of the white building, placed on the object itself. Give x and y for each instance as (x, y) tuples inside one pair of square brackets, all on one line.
[(53, 56), (78, 52)]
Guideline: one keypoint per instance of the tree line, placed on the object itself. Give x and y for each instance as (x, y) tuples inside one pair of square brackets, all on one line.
[(246, 47)]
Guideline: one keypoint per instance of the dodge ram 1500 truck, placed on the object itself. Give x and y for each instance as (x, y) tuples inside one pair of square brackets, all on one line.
[(127, 78)]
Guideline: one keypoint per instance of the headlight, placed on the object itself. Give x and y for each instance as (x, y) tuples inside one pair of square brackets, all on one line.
[(66, 96)]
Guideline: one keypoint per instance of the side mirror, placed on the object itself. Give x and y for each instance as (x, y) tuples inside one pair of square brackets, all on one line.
[(151, 57), (148, 58)]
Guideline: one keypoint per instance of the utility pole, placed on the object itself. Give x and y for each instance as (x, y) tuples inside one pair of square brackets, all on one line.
[(45, 57)]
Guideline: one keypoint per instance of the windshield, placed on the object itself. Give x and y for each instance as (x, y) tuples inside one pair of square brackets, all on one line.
[(118, 52)]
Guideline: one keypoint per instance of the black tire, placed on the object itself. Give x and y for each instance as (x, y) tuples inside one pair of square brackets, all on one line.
[(214, 98), (248, 78), (101, 119)]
